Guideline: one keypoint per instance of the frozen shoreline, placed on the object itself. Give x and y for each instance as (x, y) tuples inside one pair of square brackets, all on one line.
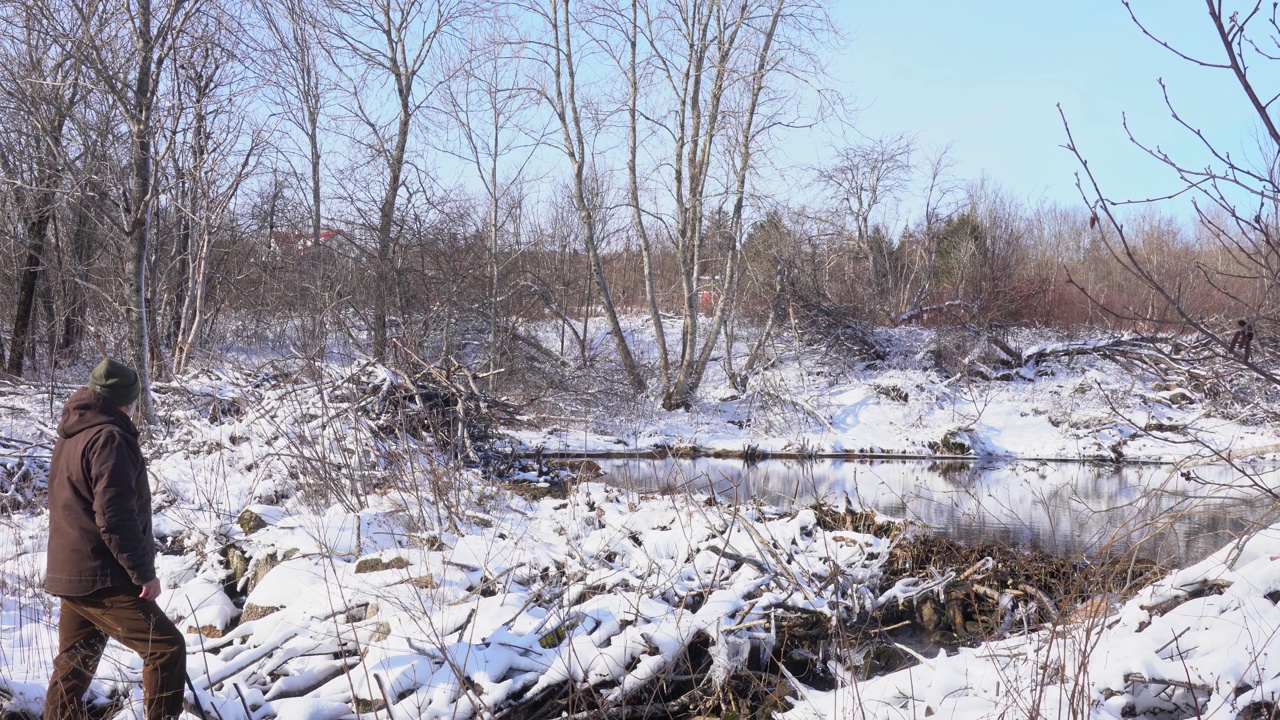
[(755, 454)]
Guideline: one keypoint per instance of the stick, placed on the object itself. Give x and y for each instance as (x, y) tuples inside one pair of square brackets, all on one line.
[(195, 697), (248, 714)]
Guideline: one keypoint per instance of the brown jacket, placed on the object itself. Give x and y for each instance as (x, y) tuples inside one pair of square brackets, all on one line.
[(99, 501)]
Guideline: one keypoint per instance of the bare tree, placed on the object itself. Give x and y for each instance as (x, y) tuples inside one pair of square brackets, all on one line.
[(488, 106), (217, 149), (710, 69), (562, 60), (295, 77), (920, 270), (125, 47), (387, 45), (865, 181), (1235, 195), (38, 91)]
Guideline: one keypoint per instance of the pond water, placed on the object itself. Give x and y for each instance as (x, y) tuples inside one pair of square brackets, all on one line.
[(1169, 516)]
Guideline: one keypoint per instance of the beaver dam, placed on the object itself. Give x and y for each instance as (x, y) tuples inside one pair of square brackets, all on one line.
[(948, 593), (1000, 549)]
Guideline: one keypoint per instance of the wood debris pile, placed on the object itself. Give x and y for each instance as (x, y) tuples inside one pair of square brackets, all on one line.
[(602, 602)]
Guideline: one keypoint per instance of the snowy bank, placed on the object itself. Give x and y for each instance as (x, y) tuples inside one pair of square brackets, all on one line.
[(1111, 399), (1200, 643)]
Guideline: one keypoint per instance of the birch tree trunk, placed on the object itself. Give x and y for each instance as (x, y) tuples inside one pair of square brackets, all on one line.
[(699, 65), (563, 100), (153, 32)]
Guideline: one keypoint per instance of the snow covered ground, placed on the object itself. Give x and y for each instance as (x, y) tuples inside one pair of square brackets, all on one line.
[(1081, 406), (1203, 642), (368, 573)]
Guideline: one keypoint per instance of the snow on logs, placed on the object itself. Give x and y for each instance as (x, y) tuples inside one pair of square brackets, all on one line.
[(595, 597)]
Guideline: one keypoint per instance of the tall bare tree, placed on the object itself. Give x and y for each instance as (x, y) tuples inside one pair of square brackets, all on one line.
[(488, 105), (391, 45), (125, 47), (295, 76), (39, 88), (714, 67), (562, 59), (865, 181), (217, 148)]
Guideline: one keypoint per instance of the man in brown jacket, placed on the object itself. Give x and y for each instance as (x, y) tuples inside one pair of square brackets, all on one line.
[(101, 559)]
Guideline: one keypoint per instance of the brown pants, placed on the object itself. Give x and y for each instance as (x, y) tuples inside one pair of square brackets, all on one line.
[(139, 625)]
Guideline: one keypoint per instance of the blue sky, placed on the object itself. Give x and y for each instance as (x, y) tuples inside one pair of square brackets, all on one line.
[(986, 76)]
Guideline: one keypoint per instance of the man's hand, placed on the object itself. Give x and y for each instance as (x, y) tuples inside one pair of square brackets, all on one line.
[(150, 590)]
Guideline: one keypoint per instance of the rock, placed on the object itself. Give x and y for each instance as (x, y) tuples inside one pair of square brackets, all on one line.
[(224, 409), (259, 568), (376, 564), (891, 392), (237, 567), (253, 612), (944, 637), (208, 631), (953, 442), (250, 522), (360, 613), (929, 613)]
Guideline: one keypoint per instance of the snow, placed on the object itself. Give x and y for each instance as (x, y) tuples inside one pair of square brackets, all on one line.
[(309, 709), (1067, 408), (1226, 643), (480, 598)]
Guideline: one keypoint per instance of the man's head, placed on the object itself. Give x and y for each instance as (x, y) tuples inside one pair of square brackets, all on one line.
[(116, 382)]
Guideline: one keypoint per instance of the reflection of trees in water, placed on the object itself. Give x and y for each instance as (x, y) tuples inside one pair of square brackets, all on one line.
[(958, 472), (1063, 508)]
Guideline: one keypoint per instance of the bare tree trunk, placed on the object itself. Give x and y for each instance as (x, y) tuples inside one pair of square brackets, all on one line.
[(565, 104), (37, 235), (386, 222), (137, 341), (182, 259), (138, 234), (299, 83), (739, 379), (646, 252), (395, 39), (134, 90), (204, 205), (692, 163), (495, 264), (729, 289), (42, 83), (321, 292), (74, 297)]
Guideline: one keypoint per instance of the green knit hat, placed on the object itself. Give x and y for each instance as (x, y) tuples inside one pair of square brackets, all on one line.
[(115, 381)]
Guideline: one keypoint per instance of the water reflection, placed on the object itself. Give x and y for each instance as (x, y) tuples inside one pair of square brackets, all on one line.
[(1063, 508)]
